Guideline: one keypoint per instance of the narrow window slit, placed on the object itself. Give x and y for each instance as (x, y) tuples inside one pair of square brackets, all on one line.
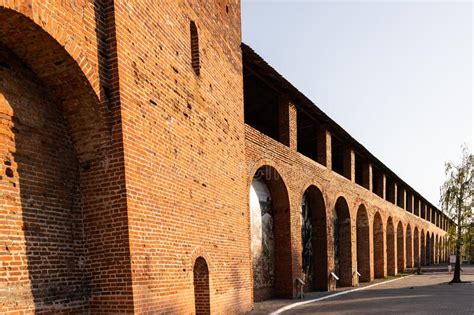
[(195, 62)]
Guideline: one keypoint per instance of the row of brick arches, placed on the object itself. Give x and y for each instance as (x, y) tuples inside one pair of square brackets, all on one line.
[(119, 244), (384, 247)]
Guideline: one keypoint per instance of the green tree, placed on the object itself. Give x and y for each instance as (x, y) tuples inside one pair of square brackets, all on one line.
[(457, 200)]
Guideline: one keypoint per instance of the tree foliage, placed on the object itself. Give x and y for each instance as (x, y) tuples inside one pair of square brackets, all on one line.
[(457, 200)]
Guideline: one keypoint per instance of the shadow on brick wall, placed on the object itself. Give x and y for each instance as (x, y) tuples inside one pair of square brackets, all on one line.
[(66, 221)]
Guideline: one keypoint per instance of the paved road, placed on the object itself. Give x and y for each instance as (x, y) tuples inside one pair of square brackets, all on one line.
[(418, 294)]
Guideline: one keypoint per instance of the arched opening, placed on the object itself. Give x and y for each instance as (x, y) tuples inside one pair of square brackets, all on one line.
[(342, 243), (270, 235), (423, 248), (379, 262), (439, 249), (55, 142), (432, 249), (391, 262), (314, 239), (428, 249), (409, 247), (446, 254), (400, 248), (436, 249), (416, 247), (202, 301), (442, 250), (363, 249)]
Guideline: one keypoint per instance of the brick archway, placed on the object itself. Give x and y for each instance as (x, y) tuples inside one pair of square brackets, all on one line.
[(378, 239), (391, 257), (443, 250), (270, 235), (202, 301), (342, 242), (436, 249), (363, 244), (314, 239), (416, 248), (429, 249), (432, 249), (59, 152), (400, 247), (423, 248), (409, 247)]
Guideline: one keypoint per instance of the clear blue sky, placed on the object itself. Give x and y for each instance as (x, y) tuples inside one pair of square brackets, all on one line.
[(398, 76)]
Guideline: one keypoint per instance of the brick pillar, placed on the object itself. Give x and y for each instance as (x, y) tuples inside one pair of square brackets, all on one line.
[(395, 189), (395, 249), (287, 122), (371, 250), (384, 252), (355, 277), (328, 150), (404, 254)]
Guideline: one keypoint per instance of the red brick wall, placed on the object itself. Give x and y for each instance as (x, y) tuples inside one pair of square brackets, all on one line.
[(120, 165), (184, 153), (43, 241), (68, 208), (183, 135)]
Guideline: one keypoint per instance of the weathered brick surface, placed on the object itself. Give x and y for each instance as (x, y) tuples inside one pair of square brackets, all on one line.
[(184, 156), (65, 229), (125, 164)]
